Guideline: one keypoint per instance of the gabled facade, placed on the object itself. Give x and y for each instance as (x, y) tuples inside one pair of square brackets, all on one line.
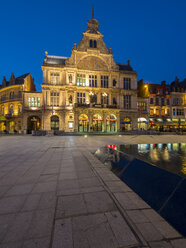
[(12, 101), (89, 91)]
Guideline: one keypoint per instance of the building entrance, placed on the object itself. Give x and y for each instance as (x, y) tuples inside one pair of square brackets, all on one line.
[(33, 124), (111, 123), (97, 123), (54, 122)]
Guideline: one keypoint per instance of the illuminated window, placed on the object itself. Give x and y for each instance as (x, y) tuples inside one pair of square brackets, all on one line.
[(54, 77), (92, 80), (104, 81), (142, 106), (127, 101), (126, 83), (34, 101), (81, 79), (104, 99), (80, 97), (54, 98), (151, 112)]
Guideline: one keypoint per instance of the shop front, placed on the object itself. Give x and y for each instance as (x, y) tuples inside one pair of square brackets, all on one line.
[(126, 124), (142, 123)]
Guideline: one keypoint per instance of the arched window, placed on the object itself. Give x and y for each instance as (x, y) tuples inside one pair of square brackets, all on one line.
[(11, 95), (11, 110)]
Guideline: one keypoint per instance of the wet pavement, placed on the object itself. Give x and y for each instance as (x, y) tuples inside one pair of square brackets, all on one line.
[(55, 194)]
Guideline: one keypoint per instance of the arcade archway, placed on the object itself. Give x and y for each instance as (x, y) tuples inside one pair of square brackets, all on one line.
[(83, 123), (111, 124)]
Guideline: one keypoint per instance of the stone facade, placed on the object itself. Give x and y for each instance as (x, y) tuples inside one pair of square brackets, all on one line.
[(12, 102), (89, 91)]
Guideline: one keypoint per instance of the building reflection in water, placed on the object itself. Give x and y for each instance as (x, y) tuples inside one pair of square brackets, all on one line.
[(170, 156)]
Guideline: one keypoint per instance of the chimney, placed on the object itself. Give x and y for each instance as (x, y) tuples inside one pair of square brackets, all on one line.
[(12, 79), (4, 82)]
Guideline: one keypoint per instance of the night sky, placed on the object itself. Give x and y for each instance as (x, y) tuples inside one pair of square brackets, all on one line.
[(152, 34)]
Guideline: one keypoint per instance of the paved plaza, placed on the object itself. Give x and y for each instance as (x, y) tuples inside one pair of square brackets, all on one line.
[(55, 194)]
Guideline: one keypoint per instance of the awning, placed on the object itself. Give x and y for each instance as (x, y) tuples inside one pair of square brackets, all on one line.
[(125, 122)]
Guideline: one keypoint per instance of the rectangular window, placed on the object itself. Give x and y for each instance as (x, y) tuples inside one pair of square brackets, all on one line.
[(34, 101), (81, 79), (32, 104), (92, 80), (151, 100), (54, 77), (162, 101), (157, 101), (180, 112), (54, 98), (168, 102), (38, 102), (142, 106), (127, 101), (80, 97), (126, 83), (106, 99), (29, 102), (104, 81)]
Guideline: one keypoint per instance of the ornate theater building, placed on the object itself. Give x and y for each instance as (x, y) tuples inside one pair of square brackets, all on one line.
[(89, 91)]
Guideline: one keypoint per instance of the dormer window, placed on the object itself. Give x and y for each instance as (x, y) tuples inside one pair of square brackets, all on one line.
[(93, 43)]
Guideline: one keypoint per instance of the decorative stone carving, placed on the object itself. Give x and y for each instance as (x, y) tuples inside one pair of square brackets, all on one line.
[(92, 63)]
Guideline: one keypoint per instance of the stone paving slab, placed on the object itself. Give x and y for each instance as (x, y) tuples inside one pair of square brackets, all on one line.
[(55, 194)]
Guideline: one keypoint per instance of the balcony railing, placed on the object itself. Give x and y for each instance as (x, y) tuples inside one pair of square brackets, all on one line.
[(95, 105), (15, 97)]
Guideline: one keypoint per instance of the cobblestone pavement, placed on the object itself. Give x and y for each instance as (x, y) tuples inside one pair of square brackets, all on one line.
[(55, 194)]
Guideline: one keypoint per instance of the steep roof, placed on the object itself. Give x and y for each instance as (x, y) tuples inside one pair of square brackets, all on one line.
[(125, 67), (54, 60), (18, 81)]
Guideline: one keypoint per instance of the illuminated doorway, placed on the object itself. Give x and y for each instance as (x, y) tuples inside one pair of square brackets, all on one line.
[(54, 122), (111, 124), (33, 123), (83, 123), (97, 123)]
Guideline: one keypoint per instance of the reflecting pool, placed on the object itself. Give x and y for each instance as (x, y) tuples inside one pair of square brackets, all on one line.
[(171, 156)]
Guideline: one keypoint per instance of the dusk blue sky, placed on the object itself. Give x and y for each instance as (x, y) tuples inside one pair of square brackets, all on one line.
[(151, 33)]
